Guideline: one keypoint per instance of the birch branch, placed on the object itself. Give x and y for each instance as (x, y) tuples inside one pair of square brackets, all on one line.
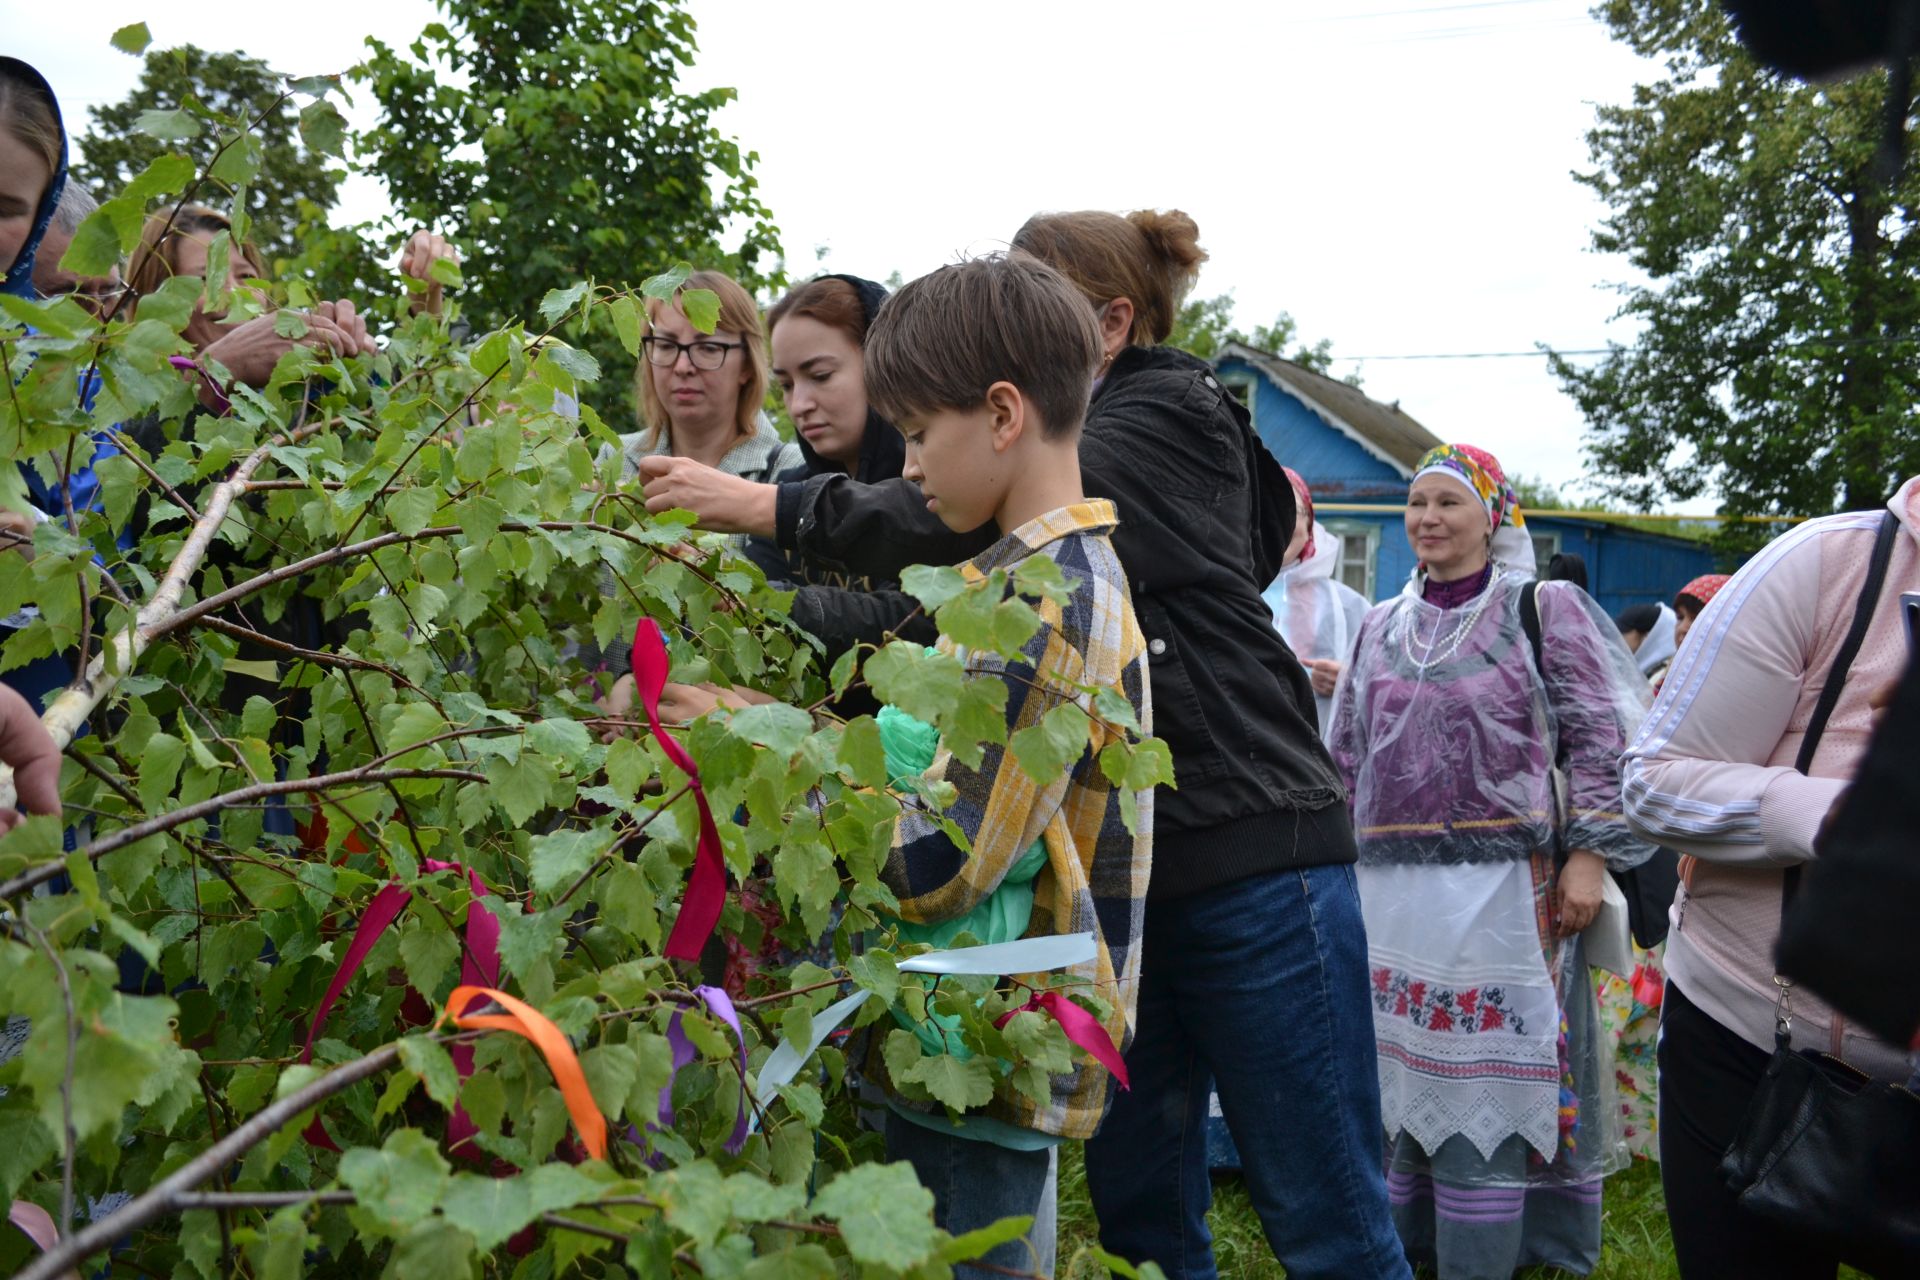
[(71, 709)]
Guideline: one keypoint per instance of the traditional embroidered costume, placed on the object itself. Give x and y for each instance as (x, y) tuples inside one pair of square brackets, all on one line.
[(1494, 1077)]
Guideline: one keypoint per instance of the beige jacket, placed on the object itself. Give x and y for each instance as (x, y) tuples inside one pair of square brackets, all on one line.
[(1711, 772)]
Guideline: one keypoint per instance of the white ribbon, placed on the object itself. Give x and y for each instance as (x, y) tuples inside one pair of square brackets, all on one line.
[(1027, 955)]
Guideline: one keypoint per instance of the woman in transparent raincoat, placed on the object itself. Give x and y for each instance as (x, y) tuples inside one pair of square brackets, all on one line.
[(1494, 1078), (1316, 614)]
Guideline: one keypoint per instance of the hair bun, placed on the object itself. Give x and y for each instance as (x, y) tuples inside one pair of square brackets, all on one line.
[(1173, 238)]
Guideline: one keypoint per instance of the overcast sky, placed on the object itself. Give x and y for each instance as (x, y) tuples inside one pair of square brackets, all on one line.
[(1394, 173)]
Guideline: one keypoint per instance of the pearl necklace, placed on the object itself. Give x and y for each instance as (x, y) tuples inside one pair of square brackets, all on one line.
[(1468, 618)]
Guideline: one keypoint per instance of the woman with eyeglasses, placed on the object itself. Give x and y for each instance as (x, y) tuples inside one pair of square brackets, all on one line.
[(699, 393)]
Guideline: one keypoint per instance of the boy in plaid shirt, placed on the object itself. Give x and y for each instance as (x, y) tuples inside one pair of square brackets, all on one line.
[(987, 368)]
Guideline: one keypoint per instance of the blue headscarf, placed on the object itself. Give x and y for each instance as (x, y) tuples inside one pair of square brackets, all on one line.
[(19, 280)]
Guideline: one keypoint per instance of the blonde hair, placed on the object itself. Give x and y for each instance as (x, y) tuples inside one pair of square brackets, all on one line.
[(1150, 258), (738, 314), (155, 259)]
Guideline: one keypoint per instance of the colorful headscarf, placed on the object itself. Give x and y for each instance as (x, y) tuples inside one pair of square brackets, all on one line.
[(1480, 472), (1303, 496), (1703, 588)]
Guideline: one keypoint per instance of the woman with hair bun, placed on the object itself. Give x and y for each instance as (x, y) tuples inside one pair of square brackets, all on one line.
[(1254, 977)]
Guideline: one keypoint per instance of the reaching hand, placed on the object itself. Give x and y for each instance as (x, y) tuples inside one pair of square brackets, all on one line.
[(16, 533), (724, 503), (29, 748), (1325, 673), (417, 257), (250, 351)]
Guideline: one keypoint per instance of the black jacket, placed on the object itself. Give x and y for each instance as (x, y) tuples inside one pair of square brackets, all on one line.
[(1205, 518), (838, 607)]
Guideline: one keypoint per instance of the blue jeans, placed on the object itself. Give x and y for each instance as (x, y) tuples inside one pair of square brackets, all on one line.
[(975, 1184), (1259, 989)]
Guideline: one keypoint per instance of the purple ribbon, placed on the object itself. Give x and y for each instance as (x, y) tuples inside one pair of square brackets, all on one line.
[(720, 1003)]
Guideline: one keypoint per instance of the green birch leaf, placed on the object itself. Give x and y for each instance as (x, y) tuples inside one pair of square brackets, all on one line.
[(961, 1084), (400, 1183), (133, 39), (411, 510), (774, 725), (1047, 748), (885, 1215), (430, 1060), (626, 323)]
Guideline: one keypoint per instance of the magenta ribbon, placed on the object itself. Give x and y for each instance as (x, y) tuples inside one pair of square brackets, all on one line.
[(707, 886), (1081, 1027), (480, 966)]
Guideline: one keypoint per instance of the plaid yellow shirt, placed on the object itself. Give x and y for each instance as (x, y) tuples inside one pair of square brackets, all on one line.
[(1095, 879)]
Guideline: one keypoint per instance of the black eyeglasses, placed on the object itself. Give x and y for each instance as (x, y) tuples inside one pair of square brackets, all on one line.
[(705, 353)]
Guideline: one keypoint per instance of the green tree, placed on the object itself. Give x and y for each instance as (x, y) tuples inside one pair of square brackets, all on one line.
[(294, 184), (1777, 359), (552, 138), (1204, 325), (356, 600)]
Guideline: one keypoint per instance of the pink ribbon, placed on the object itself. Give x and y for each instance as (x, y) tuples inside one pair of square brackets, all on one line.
[(1081, 1027), (479, 967), (707, 886), (1649, 988)]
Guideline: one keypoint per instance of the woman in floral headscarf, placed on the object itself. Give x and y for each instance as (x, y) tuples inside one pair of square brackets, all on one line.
[(1493, 1075)]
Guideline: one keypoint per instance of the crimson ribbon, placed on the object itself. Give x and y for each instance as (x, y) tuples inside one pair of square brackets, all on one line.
[(1081, 1027), (707, 887), (480, 967)]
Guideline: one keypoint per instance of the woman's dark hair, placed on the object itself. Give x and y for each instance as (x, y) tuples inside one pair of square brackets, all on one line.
[(1568, 566), (831, 301), (1639, 617)]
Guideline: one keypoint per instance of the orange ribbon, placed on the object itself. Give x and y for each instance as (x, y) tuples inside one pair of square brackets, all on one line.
[(530, 1024)]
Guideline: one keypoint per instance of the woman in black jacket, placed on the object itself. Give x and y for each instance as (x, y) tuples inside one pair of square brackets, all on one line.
[(1254, 975), (817, 334)]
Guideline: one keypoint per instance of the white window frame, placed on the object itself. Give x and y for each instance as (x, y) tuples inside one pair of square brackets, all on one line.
[(1249, 383), (1342, 529)]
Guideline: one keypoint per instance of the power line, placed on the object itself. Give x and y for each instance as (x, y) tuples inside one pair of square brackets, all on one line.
[(1795, 344)]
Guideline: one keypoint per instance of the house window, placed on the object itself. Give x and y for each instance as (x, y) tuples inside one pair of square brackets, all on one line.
[(1359, 548), (1545, 547), (1240, 387)]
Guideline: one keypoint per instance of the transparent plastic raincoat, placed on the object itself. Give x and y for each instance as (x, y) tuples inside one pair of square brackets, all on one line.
[(1317, 616), (1493, 1073)]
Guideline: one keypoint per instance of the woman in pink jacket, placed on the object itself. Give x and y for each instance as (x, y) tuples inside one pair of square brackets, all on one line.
[(1712, 775)]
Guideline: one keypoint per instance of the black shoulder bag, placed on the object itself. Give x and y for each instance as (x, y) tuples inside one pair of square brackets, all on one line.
[(1649, 887), (1825, 1150)]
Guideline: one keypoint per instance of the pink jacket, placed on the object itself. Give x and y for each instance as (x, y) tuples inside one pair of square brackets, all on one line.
[(1711, 772)]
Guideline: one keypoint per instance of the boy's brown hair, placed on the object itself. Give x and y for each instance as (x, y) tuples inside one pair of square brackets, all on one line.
[(943, 340)]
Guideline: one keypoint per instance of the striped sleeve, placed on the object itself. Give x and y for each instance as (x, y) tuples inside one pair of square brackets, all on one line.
[(1699, 776)]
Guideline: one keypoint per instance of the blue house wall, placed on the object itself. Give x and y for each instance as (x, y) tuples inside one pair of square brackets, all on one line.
[(1624, 566), (1336, 467)]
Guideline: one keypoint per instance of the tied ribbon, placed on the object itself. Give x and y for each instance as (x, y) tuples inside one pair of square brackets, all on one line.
[(1081, 1027), (707, 887), (530, 1024), (479, 966), (38, 1226), (720, 1003)]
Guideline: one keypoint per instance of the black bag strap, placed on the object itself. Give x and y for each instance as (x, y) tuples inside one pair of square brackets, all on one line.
[(1863, 611)]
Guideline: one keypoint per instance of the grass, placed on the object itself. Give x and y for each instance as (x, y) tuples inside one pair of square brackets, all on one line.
[(1636, 1244)]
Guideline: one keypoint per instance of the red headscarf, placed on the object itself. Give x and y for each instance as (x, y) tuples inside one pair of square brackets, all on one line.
[(1703, 588), (1304, 497)]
